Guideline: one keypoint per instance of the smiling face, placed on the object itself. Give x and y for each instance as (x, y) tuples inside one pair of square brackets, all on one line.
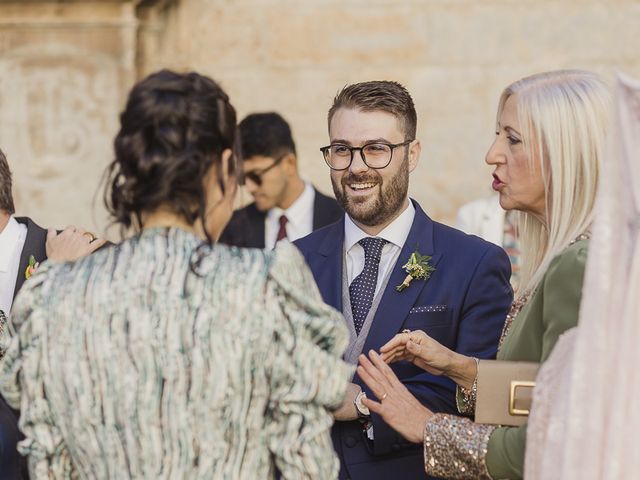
[(372, 198), (519, 182)]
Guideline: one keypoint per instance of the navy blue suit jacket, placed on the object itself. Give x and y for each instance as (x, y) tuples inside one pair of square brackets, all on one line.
[(463, 306)]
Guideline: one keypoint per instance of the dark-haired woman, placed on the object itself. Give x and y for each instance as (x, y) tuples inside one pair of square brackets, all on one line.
[(170, 356)]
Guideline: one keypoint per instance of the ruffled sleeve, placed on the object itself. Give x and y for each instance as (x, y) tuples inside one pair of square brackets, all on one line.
[(4, 334), (25, 355), (308, 376), (16, 339)]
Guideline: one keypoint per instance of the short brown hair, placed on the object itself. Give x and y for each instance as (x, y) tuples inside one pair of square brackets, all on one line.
[(383, 95), (6, 198)]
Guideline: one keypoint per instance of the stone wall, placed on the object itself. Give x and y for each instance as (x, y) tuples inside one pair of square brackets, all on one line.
[(66, 66), (64, 70)]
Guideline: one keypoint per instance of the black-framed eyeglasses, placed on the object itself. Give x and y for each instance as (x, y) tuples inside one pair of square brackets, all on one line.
[(256, 175), (374, 154)]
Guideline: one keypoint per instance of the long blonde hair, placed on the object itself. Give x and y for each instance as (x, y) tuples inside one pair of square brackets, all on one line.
[(563, 116)]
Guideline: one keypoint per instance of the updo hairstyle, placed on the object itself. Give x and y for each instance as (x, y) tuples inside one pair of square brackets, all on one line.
[(173, 129)]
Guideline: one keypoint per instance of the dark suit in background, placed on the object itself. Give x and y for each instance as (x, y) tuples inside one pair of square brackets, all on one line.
[(34, 245), (246, 227)]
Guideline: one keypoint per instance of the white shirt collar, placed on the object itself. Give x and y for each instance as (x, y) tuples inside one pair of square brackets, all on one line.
[(396, 232), (9, 237)]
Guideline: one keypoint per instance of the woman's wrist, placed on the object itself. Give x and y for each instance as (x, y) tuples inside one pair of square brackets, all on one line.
[(421, 425), (464, 370)]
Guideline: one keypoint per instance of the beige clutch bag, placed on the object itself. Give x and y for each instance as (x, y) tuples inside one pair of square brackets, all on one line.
[(504, 392)]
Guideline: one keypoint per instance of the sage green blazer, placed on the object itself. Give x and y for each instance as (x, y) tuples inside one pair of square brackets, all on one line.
[(552, 310)]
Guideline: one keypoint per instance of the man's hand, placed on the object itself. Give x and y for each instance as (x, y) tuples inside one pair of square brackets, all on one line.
[(347, 410), (71, 244)]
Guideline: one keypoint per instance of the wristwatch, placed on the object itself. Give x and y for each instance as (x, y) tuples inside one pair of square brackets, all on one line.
[(362, 411)]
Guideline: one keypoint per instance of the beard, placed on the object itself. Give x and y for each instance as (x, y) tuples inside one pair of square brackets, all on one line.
[(374, 210)]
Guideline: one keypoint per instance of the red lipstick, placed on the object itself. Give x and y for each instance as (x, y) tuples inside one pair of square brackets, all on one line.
[(497, 183)]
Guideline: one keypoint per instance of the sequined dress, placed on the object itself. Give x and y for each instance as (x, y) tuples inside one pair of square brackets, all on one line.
[(127, 364), (456, 447)]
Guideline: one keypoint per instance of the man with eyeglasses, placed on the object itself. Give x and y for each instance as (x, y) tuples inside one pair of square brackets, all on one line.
[(360, 266), (285, 206)]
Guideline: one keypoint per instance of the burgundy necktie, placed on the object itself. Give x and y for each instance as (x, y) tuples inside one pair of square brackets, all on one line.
[(282, 232)]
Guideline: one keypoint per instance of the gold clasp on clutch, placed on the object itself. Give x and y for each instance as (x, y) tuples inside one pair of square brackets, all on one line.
[(515, 384)]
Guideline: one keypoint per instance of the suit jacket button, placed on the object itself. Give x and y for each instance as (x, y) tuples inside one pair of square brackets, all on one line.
[(350, 441)]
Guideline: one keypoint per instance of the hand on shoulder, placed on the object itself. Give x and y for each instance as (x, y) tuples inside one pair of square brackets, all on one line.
[(71, 244)]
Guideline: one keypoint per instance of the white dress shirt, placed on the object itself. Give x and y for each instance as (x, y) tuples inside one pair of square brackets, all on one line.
[(12, 240), (395, 234), (299, 218)]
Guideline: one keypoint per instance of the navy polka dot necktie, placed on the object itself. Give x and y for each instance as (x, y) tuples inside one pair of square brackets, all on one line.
[(363, 288)]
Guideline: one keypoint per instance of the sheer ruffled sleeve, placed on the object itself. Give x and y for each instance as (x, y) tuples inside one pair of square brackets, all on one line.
[(16, 340), (308, 376), (24, 357)]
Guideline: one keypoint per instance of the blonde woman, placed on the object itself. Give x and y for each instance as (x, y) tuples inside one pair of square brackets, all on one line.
[(549, 136), (573, 439)]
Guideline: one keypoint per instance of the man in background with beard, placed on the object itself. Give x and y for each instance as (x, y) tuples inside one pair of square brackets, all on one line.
[(359, 266)]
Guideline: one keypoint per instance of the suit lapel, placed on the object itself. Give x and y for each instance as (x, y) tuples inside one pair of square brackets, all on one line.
[(329, 270), (318, 218), (34, 244), (325, 211), (322, 211), (255, 234), (395, 306)]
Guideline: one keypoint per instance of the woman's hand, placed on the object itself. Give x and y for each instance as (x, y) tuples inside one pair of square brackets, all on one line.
[(397, 406), (423, 351), (420, 349), (71, 244)]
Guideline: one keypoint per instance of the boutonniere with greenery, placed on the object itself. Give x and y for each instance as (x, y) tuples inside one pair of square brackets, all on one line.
[(418, 268), (31, 268)]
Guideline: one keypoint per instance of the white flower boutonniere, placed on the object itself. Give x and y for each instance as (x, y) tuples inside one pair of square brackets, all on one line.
[(418, 267)]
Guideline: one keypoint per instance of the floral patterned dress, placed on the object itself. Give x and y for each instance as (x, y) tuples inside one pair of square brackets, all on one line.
[(160, 358)]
